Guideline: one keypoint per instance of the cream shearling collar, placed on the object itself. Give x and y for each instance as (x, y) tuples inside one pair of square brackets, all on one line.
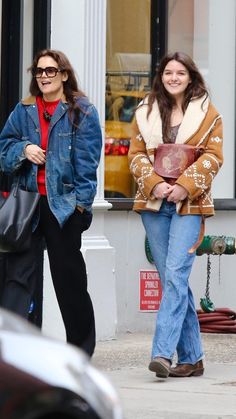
[(151, 128), (31, 100)]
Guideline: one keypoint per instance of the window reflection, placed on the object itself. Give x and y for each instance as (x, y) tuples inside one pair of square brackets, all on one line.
[(127, 82), (128, 65), (188, 26)]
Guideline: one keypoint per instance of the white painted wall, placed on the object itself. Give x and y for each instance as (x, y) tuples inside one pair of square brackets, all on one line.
[(67, 32), (219, 72), (126, 234), (222, 59)]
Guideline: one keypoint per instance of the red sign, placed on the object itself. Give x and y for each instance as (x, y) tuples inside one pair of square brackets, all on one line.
[(150, 290)]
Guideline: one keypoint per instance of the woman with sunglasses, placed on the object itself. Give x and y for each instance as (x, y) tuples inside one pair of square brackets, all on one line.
[(176, 120), (54, 138)]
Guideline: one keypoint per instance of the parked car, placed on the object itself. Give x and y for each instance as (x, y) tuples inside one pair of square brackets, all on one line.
[(41, 378), (120, 108)]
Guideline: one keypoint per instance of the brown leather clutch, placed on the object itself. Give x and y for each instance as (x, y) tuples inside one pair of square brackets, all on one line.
[(172, 159)]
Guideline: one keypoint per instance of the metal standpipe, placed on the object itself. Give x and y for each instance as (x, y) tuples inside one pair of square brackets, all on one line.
[(212, 320), (211, 245), (217, 245)]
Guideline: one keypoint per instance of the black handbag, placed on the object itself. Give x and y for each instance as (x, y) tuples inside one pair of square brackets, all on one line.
[(16, 212), (5, 182)]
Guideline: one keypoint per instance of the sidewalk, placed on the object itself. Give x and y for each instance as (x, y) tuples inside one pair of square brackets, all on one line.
[(212, 396)]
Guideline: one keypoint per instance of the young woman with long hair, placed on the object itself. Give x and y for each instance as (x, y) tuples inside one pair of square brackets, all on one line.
[(174, 122)]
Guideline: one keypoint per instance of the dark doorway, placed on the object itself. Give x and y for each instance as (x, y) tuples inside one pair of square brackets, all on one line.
[(10, 93), (12, 48), (10, 56), (158, 38)]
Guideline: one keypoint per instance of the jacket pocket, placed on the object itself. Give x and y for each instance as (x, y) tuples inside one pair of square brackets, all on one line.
[(65, 146)]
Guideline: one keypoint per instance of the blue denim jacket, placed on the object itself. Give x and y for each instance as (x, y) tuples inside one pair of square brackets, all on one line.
[(72, 157)]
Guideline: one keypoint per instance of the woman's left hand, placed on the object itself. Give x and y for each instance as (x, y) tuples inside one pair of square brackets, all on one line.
[(178, 193)]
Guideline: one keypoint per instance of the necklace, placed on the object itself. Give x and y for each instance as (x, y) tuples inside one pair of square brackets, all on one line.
[(47, 116)]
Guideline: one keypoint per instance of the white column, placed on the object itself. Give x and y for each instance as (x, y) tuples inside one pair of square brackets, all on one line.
[(99, 255), (79, 30), (27, 36), (215, 50)]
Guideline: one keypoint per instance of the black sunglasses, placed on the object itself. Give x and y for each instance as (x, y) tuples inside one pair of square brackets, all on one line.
[(49, 71)]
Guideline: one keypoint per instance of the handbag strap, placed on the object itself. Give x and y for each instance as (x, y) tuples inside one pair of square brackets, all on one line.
[(16, 186), (200, 238)]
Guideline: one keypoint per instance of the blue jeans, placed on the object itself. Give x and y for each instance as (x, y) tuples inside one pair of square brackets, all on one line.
[(170, 237)]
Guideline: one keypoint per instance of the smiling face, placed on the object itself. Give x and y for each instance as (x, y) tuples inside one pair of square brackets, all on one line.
[(51, 87), (176, 79)]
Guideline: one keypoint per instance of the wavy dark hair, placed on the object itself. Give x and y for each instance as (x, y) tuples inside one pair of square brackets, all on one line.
[(195, 89), (70, 86)]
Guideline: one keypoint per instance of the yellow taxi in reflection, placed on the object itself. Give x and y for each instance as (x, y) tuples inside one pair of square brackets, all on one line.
[(120, 108)]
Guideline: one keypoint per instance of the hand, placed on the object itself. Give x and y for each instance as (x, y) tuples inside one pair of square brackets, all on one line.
[(35, 154), (162, 190), (177, 193), (80, 209)]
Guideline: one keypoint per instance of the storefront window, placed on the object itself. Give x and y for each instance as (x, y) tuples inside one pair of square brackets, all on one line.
[(188, 29), (139, 32), (127, 81), (128, 69)]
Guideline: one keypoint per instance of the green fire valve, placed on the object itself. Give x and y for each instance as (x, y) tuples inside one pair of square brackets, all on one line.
[(211, 245), (217, 245)]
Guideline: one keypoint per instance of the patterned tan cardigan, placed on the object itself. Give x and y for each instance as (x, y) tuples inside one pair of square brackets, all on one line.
[(201, 126)]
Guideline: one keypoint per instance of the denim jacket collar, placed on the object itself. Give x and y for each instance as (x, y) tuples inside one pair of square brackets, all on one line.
[(31, 104)]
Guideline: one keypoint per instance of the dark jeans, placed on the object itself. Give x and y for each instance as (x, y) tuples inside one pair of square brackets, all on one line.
[(68, 273)]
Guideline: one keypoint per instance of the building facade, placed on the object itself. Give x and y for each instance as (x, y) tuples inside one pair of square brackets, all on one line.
[(115, 48)]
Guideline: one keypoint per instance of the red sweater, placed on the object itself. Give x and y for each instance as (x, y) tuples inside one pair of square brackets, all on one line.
[(44, 125)]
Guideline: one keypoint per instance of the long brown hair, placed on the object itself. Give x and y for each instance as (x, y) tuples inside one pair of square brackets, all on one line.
[(70, 86), (195, 89)]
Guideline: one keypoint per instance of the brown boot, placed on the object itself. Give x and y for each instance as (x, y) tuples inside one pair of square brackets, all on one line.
[(187, 370), (161, 366)]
